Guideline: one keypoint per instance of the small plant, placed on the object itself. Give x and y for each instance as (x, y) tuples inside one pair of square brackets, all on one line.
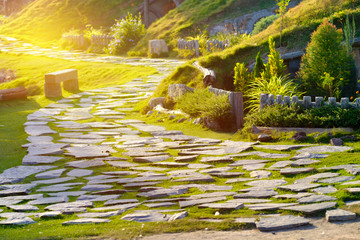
[(241, 77), (331, 85), (259, 66), (349, 34), (126, 32)]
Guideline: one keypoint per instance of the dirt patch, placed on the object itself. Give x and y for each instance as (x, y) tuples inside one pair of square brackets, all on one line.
[(319, 229)]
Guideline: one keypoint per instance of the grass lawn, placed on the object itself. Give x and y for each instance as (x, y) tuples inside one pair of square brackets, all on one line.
[(30, 71)]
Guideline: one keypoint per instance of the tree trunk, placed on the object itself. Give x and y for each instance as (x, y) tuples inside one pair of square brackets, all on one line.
[(146, 13)]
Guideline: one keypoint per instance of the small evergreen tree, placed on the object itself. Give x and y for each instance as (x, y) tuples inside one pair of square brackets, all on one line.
[(241, 77), (259, 66), (275, 66), (326, 54), (282, 4)]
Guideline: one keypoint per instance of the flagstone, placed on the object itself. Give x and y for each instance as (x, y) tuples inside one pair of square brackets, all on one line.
[(163, 192), (213, 187), (262, 154), (282, 147), (316, 198), (247, 162), (17, 221), (23, 208), (261, 193), (190, 203), (237, 180), (117, 207), (324, 149), (293, 196), (223, 206), (140, 184), (204, 178), (267, 183), (336, 179), (268, 206), (98, 187), (212, 194), (89, 151), (51, 214), (69, 205), (339, 215), (325, 190), (216, 170), (280, 164), (98, 198), (68, 193), (120, 201), (39, 130), (249, 200), (227, 174), (100, 215), (303, 162), (245, 220), (19, 173), (158, 205), (151, 159), (53, 181), (252, 167), (281, 222), (86, 163), (199, 166), (80, 173), (260, 174), (49, 200), (156, 169), (186, 158), (299, 187), (224, 159), (50, 174), (54, 188), (146, 217), (357, 182), (311, 208), (102, 181), (7, 202), (352, 190), (86, 221), (295, 171)]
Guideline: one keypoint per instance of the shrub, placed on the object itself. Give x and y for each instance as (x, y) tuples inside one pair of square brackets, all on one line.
[(326, 54), (126, 32), (275, 85), (263, 23), (296, 116), (203, 103), (241, 77), (259, 66), (275, 66)]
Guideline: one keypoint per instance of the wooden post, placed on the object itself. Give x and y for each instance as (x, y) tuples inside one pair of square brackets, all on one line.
[(146, 13), (197, 48), (237, 108)]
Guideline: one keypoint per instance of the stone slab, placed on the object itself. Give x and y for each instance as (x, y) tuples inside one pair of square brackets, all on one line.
[(39, 130), (50, 174), (86, 221), (339, 215), (17, 221), (267, 183), (280, 164), (265, 193), (311, 208), (158, 205), (34, 160), (325, 190), (190, 203), (352, 190), (238, 180), (247, 162), (268, 206), (224, 159), (295, 171), (98, 187), (89, 151), (304, 162), (171, 164), (223, 206), (227, 174), (199, 166), (19, 173), (86, 163), (146, 217), (204, 178), (53, 181), (315, 199), (325, 149), (23, 208), (281, 147), (100, 215), (48, 200), (300, 187), (80, 173), (281, 222), (120, 201), (336, 179), (260, 174), (151, 159)]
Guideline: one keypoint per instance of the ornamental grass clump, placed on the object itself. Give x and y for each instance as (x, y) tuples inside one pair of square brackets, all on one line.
[(203, 103), (126, 32)]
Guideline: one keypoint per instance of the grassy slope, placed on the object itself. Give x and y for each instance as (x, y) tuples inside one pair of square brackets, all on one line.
[(45, 21), (192, 15), (30, 71), (300, 22)]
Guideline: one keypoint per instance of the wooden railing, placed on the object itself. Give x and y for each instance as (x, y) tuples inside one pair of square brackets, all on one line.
[(192, 45), (96, 40)]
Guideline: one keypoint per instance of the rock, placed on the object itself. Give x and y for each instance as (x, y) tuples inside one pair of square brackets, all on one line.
[(34, 160), (158, 48), (212, 124), (177, 90), (223, 206), (280, 164), (19, 173), (245, 220), (80, 173), (51, 214), (86, 163), (255, 130), (264, 138), (336, 179), (325, 190), (281, 147), (86, 221), (267, 183), (146, 217), (336, 142), (316, 198), (260, 174), (264, 193), (89, 151), (268, 206), (190, 203), (311, 208), (17, 221), (224, 159), (252, 167), (48, 200), (38, 130), (299, 136), (280, 223), (325, 149), (181, 120), (339, 215), (294, 171), (178, 216), (156, 101), (198, 121), (101, 214), (23, 208), (299, 187)]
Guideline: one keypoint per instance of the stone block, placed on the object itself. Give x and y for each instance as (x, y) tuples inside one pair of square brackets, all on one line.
[(158, 48)]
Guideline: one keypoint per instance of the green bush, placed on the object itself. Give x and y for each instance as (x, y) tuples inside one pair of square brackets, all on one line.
[(126, 32), (263, 23), (203, 103), (259, 66), (326, 68), (296, 116), (275, 66)]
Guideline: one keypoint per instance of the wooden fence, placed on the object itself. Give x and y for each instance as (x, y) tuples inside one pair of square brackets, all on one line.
[(269, 99), (237, 104), (96, 40), (193, 45), (217, 45), (189, 45)]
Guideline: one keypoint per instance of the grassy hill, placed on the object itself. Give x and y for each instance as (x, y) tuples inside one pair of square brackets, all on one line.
[(300, 22), (45, 21)]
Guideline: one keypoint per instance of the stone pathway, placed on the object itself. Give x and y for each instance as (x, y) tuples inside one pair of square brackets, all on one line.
[(84, 150)]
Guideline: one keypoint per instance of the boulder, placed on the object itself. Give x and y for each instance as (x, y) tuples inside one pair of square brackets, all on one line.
[(177, 90), (264, 138), (212, 124), (299, 136), (336, 142), (156, 101), (158, 48)]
